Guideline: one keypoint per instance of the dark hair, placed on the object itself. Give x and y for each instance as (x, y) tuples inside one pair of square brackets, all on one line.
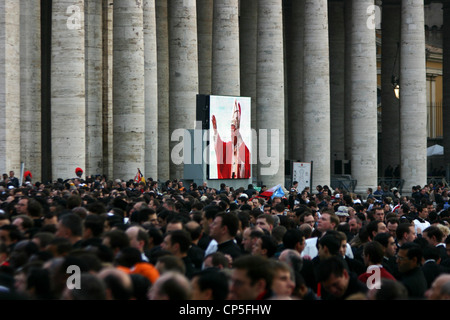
[(128, 257), (183, 238), (73, 222), (383, 238), (231, 221), (95, 223), (414, 250), (292, 237), (118, 239), (403, 227), (332, 242), (257, 268), (330, 266), (91, 288), (374, 251), (269, 243), (434, 231), (215, 280), (218, 258)]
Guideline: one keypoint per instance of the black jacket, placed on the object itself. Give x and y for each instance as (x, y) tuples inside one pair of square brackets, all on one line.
[(415, 282), (230, 247), (354, 286)]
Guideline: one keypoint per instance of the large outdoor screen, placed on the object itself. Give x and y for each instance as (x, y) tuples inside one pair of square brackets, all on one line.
[(230, 137)]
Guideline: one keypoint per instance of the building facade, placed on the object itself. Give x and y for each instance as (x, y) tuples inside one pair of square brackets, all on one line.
[(102, 85)]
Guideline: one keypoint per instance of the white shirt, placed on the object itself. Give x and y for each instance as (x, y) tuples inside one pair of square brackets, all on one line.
[(311, 249), (421, 225)]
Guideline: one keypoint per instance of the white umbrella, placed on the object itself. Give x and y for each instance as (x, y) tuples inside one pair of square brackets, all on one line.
[(435, 150)]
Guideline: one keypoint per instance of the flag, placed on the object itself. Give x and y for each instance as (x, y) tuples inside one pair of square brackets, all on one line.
[(139, 177), (273, 192)]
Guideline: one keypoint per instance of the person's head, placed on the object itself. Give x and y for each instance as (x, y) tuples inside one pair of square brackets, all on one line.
[(379, 214), (93, 226), (374, 227), (435, 291), (35, 208), (216, 260), (329, 245), (251, 277), (333, 276), (224, 227), (306, 216), (70, 226), (118, 283), (405, 232), (294, 239), (91, 288), (194, 228), (355, 224), (265, 221), (22, 206), (177, 242), (392, 225), (409, 257), (373, 253), (327, 221), (388, 243), (174, 224), (116, 240), (283, 282), (210, 284), (423, 211), (23, 222), (433, 235), (389, 290), (248, 237), (171, 286), (138, 236), (168, 262), (264, 246)]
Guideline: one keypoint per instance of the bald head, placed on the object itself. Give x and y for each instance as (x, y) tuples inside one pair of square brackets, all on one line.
[(435, 292), (119, 284)]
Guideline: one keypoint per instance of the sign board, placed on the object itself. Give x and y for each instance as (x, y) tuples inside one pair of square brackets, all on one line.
[(302, 173)]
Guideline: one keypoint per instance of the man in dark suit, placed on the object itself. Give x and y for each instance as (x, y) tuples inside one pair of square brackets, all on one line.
[(431, 266), (13, 179), (434, 237), (409, 258)]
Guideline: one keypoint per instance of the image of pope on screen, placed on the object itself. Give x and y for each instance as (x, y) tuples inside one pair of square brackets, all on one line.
[(230, 149)]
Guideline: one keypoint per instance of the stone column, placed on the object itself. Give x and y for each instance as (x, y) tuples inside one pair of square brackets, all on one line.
[(162, 38), (390, 65), (128, 89), (94, 84), (446, 83), (107, 90), (248, 19), (413, 106), (337, 79), (204, 31), (348, 79), (151, 91), (183, 80), (270, 92), (68, 103), (30, 87), (10, 86), (364, 159), (316, 91), (295, 15), (225, 48)]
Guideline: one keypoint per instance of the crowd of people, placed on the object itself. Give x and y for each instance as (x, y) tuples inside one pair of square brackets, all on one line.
[(95, 238)]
